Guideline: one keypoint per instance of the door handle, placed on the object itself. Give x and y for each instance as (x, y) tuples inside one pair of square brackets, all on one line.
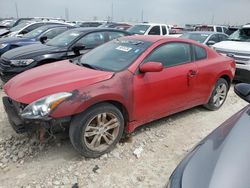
[(192, 73)]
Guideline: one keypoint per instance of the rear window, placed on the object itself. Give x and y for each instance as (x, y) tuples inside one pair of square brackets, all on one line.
[(204, 28)]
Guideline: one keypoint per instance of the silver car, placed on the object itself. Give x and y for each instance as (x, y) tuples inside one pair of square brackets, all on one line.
[(205, 37)]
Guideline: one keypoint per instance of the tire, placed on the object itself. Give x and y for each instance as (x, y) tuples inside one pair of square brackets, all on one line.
[(90, 128), (218, 96)]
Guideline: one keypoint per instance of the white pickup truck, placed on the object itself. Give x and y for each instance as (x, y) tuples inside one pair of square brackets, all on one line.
[(238, 47), (149, 29)]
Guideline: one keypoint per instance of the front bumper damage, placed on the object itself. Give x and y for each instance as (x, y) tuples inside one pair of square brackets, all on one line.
[(21, 125)]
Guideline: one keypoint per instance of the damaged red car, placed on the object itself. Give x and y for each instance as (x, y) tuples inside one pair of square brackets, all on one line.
[(117, 87)]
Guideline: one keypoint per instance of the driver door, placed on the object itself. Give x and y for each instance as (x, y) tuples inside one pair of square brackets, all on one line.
[(157, 94)]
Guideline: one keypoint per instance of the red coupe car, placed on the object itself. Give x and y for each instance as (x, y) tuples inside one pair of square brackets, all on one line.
[(117, 87)]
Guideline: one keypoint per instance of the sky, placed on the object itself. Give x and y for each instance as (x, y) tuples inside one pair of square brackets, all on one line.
[(233, 12)]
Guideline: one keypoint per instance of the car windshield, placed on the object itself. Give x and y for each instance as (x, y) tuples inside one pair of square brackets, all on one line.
[(35, 32), (115, 55), (241, 35), (138, 29), (19, 26), (64, 39), (199, 37)]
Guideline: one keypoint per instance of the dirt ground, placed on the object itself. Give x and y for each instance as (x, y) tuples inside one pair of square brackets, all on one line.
[(145, 160)]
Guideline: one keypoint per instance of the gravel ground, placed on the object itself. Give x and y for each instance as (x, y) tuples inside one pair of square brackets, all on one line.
[(146, 159)]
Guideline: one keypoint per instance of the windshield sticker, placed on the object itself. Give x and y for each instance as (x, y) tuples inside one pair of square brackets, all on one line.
[(124, 48), (204, 35)]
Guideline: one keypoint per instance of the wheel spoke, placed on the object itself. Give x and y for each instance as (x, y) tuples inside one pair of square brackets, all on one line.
[(98, 141), (106, 139), (110, 136), (114, 120), (88, 128), (93, 142), (112, 126), (104, 117), (218, 102), (99, 119), (89, 134)]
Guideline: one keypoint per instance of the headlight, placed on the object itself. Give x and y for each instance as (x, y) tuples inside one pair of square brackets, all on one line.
[(3, 46), (42, 107), (21, 62)]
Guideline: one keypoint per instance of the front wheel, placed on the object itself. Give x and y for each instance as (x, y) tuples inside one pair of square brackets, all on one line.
[(219, 95), (97, 130)]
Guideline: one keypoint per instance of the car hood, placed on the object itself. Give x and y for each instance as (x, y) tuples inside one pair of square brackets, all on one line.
[(233, 46), (61, 76), (222, 159), (31, 51)]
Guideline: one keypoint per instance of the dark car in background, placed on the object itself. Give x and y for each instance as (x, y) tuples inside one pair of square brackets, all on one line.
[(38, 35), (25, 27), (205, 37), (69, 44), (222, 159)]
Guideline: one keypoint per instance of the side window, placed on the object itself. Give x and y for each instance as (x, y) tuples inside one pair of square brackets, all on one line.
[(92, 40), (171, 54), (155, 31), (223, 37), (219, 29), (225, 30), (164, 30), (114, 35), (32, 27), (200, 53), (54, 32), (214, 38)]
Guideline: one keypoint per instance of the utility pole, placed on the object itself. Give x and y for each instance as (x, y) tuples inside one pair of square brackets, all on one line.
[(16, 10), (67, 14), (112, 12), (142, 16), (212, 22)]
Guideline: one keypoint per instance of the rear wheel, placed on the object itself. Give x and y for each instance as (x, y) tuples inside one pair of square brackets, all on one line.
[(219, 95), (97, 130)]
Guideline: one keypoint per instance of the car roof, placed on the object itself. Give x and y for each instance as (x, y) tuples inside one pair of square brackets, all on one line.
[(206, 32), (55, 25), (155, 38), (91, 29), (146, 23)]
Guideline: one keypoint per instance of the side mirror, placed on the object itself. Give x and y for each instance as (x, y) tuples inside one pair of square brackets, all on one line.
[(77, 48), (243, 91), (211, 43), (151, 67), (43, 39)]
